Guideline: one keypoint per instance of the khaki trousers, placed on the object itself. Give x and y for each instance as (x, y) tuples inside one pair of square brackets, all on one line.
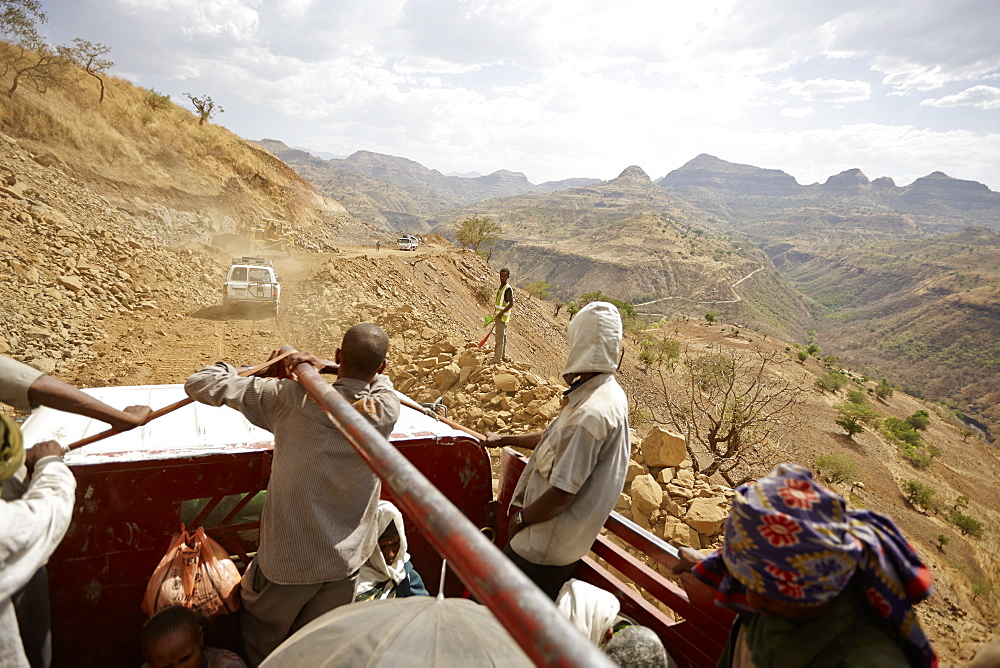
[(271, 612), (500, 337)]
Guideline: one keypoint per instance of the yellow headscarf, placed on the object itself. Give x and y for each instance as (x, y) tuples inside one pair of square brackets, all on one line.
[(11, 448)]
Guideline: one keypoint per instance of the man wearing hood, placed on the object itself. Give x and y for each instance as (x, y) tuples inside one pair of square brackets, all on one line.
[(577, 470)]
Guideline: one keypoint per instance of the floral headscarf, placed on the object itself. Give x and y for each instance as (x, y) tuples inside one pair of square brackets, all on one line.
[(793, 540)]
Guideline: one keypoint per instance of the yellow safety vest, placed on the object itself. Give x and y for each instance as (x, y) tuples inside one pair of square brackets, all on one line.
[(502, 301)]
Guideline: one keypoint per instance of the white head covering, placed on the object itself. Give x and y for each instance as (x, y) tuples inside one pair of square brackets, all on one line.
[(590, 609), (595, 340), (375, 571)]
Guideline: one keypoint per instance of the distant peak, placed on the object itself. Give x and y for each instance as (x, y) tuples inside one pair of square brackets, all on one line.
[(634, 174), (849, 178)]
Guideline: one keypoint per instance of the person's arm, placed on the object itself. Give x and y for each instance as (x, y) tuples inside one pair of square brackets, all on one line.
[(53, 393), (552, 502), (380, 404), (33, 525), (220, 385), (526, 441)]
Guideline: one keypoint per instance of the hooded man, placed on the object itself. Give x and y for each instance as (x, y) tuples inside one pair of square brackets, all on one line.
[(389, 573), (577, 469), (816, 583)]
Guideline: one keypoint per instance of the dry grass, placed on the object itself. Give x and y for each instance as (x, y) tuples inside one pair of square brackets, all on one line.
[(127, 142)]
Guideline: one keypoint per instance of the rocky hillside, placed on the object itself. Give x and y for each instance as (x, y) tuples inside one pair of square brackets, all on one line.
[(633, 240), (925, 313)]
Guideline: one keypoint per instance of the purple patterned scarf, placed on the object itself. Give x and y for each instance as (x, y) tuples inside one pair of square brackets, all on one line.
[(795, 541)]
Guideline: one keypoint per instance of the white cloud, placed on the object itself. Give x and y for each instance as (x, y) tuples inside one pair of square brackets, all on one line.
[(565, 87), (828, 90), (798, 112), (984, 97)]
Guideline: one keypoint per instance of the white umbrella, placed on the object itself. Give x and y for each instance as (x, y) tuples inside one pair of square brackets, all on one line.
[(412, 632)]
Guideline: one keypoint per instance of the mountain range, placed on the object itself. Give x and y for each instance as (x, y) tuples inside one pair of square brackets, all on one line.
[(899, 281)]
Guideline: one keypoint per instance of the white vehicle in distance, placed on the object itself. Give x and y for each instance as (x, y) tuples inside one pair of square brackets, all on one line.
[(408, 242), (252, 282)]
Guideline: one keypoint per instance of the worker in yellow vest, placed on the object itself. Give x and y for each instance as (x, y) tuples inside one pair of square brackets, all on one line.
[(501, 313)]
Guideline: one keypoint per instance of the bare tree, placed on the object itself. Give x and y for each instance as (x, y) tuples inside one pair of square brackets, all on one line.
[(205, 106), (42, 68), (26, 56), (734, 408), (88, 56)]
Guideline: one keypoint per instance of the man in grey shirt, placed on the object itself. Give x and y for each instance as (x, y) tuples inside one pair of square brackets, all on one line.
[(318, 524), (577, 469)]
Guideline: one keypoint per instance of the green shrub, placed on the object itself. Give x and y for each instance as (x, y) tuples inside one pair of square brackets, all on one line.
[(836, 467), (857, 397), (831, 360), (812, 349), (942, 540), (156, 100), (803, 355), (852, 427), (920, 459), (901, 431), (883, 390), (919, 420), (832, 381), (919, 494), (967, 525), (711, 316)]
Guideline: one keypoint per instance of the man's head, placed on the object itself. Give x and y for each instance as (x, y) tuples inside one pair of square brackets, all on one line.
[(636, 647), (362, 352), (595, 340), (173, 637), (504, 275), (389, 543)]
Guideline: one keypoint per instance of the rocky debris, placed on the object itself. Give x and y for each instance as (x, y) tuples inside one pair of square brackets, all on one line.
[(673, 502)]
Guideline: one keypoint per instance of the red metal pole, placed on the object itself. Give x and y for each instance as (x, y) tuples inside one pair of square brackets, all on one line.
[(528, 614)]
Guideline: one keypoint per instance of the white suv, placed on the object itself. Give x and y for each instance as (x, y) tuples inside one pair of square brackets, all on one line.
[(252, 282)]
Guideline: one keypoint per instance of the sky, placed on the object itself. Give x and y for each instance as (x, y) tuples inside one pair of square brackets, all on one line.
[(559, 89)]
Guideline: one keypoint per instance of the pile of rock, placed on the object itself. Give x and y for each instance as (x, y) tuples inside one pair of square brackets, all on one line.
[(483, 396), (664, 495)]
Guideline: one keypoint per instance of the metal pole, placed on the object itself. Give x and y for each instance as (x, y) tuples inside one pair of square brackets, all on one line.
[(528, 614)]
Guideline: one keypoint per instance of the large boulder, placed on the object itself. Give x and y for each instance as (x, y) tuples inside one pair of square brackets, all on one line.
[(506, 382), (676, 532), (663, 448), (634, 469), (646, 494), (706, 515)]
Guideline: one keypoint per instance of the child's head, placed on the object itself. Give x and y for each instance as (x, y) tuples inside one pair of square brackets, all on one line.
[(389, 543), (173, 638)]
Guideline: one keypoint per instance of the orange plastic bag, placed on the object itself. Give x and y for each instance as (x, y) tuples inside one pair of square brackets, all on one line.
[(196, 572)]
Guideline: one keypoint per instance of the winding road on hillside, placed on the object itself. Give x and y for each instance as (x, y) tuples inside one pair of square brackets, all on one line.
[(732, 287)]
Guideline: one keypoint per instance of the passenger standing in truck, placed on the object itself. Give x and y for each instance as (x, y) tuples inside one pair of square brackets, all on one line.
[(577, 469), (35, 515), (318, 525)]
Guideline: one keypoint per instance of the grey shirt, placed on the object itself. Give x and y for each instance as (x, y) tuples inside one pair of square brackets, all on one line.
[(584, 451), (318, 523)]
